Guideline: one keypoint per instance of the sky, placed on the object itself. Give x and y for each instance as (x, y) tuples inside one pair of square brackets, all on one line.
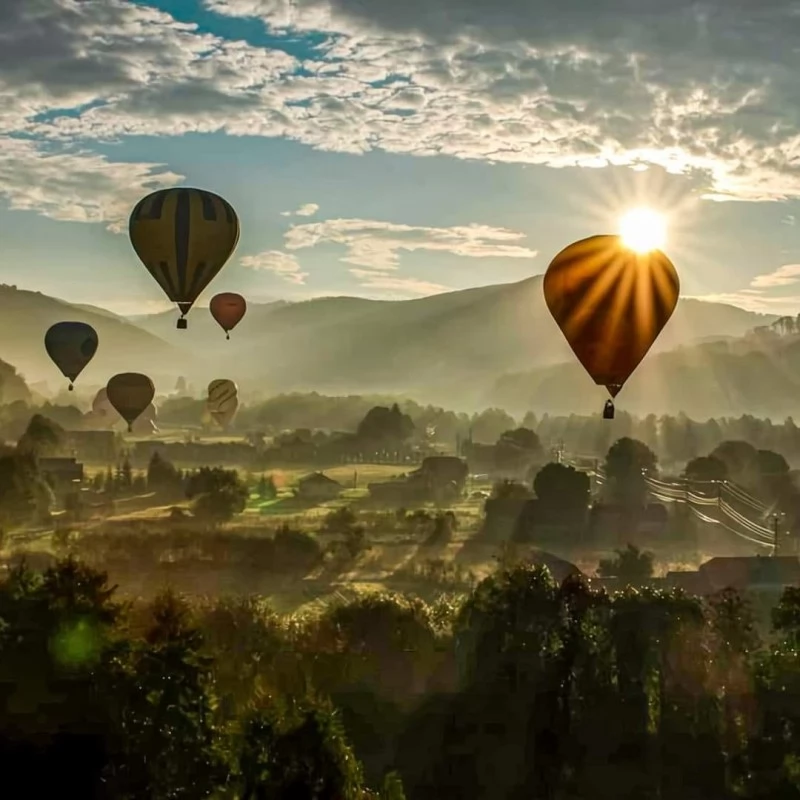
[(399, 149)]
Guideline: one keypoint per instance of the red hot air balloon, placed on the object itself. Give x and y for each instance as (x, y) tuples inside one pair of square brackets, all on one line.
[(228, 308), (611, 303)]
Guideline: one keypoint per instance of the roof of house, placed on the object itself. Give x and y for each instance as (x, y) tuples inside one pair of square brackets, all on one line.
[(731, 571), (56, 462), (319, 478)]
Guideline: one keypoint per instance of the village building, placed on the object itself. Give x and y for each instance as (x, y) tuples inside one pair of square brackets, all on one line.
[(318, 487)]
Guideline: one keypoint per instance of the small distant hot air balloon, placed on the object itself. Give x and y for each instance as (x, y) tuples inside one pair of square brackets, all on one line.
[(221, 390), (228, 308), (71, 346), (130, 393), (611, 303), (223, 412), (183, 237)]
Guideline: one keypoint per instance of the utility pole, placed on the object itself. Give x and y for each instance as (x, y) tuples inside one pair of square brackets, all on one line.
[(775, 519)]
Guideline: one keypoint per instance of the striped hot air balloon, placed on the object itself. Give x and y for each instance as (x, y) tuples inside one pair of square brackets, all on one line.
[(225, 411), (183, 237), (611, 303), (221, 391)]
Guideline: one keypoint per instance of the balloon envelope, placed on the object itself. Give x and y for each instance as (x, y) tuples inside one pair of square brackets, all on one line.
[(183, 237), (223, 412), (130, 393), (220, 391), (228, 308), (71, 346), (611, 303)]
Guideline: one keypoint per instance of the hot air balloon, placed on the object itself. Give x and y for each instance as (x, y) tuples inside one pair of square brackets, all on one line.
[(184, 237), (130, 393), (611, 303), (228, 308), (71, 346), (219, 391), (223, 412)]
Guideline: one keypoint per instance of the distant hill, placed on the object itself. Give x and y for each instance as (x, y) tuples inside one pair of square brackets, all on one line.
[(450, 349), (124, 347), (440, 348), (755, 374), (12, 385)]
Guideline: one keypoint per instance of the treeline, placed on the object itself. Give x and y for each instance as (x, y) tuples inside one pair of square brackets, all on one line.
[(522, 688), (675, 439)]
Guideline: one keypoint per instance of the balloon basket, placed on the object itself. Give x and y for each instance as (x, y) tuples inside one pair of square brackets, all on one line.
[(182, 324), (608, 410)]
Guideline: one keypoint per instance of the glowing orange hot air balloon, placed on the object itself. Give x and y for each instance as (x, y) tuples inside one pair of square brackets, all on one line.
[(228, 308), (611, 303)]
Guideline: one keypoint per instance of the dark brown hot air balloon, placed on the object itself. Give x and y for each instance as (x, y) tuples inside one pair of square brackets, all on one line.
[(71, 346), (611, 302), (227, 308), (130, 393)]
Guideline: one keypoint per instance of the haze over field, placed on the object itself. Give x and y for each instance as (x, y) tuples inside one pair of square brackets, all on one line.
[(461, 350)]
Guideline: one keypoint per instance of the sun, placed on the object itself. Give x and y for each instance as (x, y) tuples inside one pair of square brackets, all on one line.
[(643, 229)]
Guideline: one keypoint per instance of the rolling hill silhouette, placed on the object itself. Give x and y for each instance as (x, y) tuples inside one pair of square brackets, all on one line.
[(450, 349), (440, 347), (123, 346), (755, 375)]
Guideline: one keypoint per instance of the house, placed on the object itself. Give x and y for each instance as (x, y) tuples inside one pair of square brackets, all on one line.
[(748, 573), (61, 470), (318, 487), (99, 447), (754, 573), (63, 474)]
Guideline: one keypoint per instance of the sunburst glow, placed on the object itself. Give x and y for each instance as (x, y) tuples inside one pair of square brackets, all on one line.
[(643, 229)]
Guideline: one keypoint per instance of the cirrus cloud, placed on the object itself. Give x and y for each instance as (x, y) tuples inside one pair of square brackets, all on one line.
[(306, 210), (376, 245), (282, 264)]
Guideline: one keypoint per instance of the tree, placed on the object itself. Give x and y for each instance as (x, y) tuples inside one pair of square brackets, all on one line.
[(517, 449), (560, 487), (488, 426), (127, 474), (385, 425), (706, 468), (740, 459), (630, 565), (627, 465), (164, 705), (266, 488), (162, 476), (217, 494), (42, 437)]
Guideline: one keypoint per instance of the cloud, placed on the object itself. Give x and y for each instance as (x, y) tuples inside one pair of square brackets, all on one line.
[(306, 210), (76, 186), (401, 287), (377, 245), (282, 264), (757, 296), (786, 275), (706, 90)]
